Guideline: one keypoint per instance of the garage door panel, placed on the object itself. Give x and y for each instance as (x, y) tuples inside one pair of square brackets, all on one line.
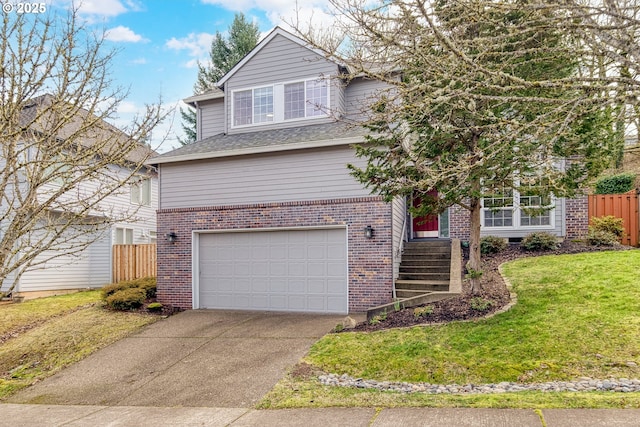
[(278, 268), (259, 285), (259, 300), (317, 252), (336, 251), (297, 268), (335, 269), (288, 270), (316, 303), (317, 287), (316, 269), (219, 269), (260, 269), (297, 303), (278, 286), (242, 269), (334, 286), (278, 302), (296, 286)]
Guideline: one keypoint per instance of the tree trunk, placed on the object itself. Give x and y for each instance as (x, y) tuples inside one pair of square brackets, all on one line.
[(474, 266)]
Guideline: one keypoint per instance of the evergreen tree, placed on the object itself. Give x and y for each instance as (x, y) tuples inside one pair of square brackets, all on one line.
[(485, 100), (225, 53)]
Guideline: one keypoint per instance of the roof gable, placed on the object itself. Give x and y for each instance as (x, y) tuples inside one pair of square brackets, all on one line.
[(277, 31)]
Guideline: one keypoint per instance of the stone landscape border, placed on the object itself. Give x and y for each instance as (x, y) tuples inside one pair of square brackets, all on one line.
[(621, 385)]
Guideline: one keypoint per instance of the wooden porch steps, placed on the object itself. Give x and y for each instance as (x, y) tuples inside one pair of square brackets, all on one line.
[(429, 271)]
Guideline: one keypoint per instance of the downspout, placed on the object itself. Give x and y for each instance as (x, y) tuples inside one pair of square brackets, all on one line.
[(198, 121), (225, 109)]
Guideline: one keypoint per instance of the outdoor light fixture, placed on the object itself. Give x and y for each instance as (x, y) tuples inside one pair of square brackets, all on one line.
[(171, 237), (368, 232)]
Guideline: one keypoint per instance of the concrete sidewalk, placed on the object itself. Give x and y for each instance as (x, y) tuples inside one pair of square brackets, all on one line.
[(16, 415)]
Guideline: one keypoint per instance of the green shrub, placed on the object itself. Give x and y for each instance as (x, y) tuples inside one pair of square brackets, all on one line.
[(149, 285), (540, 241), (112, 288), (155, 306), (492, 245), (615, 184), (422, 311), (481, 304), (126, 299), (601, 238), (609, 224)]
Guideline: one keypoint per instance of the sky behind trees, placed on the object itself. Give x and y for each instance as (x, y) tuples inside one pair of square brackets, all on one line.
[(161, 41)]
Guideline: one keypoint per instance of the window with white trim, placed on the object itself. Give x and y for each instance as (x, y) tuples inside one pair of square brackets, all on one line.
[(525, 207), (123, 236), (141, 192), (281, 102), (534, 209), (498, 209)]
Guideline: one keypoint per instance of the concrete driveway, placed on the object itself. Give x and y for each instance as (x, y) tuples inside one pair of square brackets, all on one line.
[(199, 358)]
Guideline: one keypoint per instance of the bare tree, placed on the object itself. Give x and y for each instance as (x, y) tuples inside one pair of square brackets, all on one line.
[(487, 98), (61, 161)]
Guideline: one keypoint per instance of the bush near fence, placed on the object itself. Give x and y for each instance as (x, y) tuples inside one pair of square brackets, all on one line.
[(623, 206)]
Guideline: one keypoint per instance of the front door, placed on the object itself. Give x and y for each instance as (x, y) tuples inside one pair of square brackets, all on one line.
[(425, 226)]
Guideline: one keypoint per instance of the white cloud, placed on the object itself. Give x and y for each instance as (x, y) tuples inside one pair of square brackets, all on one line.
[(196, 45), (127, 107), (282, 12), (102, 7), (139, 61), (123, 34), (193, 63)]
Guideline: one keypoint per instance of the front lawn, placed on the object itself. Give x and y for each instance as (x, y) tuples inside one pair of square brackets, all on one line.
[(577, 316), (42, 336)]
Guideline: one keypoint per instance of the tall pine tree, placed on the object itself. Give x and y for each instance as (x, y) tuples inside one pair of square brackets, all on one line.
[(225, 53)]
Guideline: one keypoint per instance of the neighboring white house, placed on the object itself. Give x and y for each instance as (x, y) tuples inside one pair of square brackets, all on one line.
[(92, 267)]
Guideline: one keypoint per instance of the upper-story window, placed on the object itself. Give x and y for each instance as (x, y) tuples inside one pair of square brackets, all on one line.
[(281, 102), (141, 192)]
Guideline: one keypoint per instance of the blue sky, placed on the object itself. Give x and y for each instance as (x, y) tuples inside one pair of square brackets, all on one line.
[(161, 41)]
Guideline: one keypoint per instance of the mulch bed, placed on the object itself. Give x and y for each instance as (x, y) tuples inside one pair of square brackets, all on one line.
[(493, 289)]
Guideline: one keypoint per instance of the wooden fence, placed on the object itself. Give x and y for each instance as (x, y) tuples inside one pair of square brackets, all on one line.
[(134, 261), (623, 206)]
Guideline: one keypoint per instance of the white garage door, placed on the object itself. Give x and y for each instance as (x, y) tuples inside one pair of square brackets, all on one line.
[(288, 270)]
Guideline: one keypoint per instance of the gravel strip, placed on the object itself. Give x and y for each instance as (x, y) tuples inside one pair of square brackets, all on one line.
[(621, 385)]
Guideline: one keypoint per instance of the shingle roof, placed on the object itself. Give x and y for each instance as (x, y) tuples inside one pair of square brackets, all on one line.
[(277, 139), (102, 131)]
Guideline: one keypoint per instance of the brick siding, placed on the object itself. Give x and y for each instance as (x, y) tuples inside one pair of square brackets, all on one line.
[(576, 220), (459, 223), (370, 261), (577, 217)]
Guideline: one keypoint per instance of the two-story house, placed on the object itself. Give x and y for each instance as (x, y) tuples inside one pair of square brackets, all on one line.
[(261, 212), (126, 215)]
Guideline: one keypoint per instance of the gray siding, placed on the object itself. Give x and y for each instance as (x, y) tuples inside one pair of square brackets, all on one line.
[(211, 118), (359, 94), (281, 60), (399, 215), (302, 175)]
